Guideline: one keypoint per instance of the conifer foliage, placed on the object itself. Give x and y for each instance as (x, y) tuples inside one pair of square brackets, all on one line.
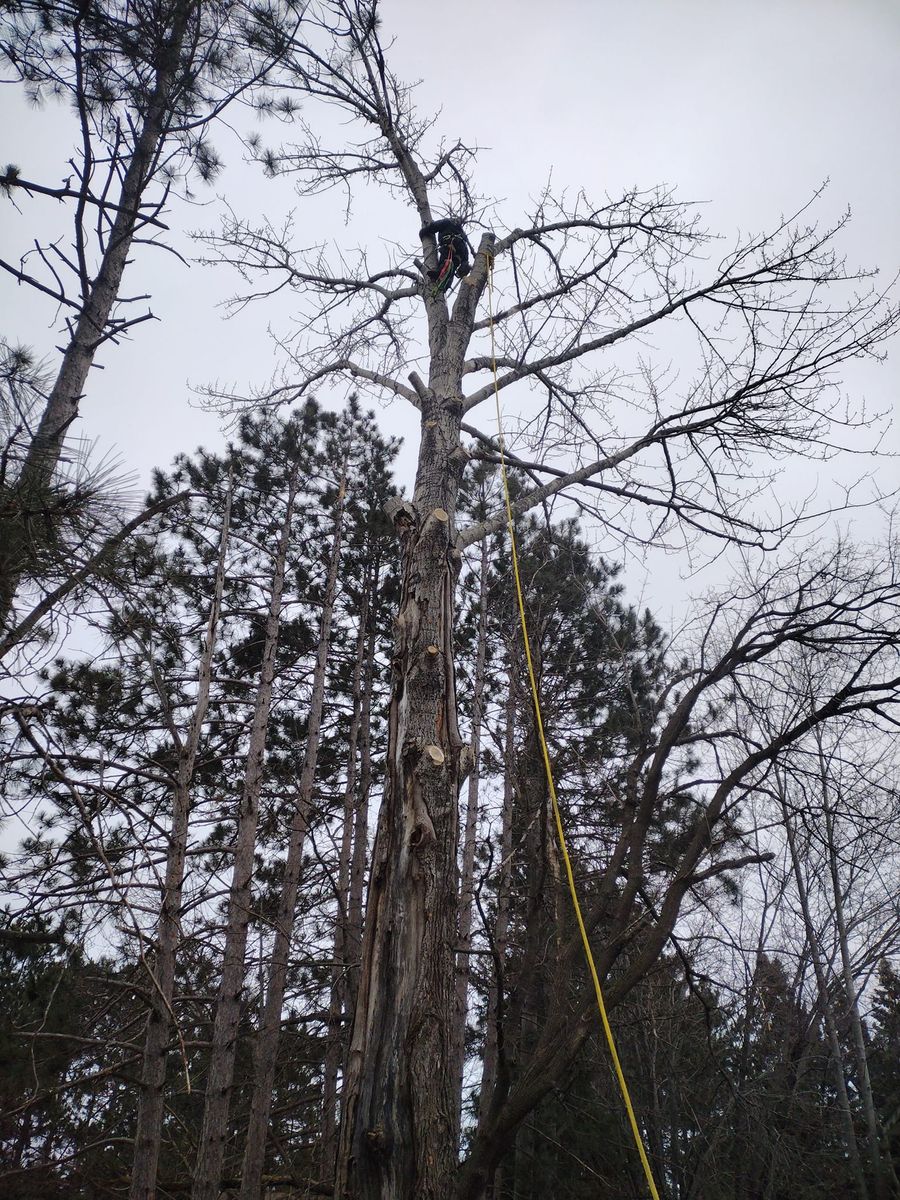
[(285, 910)]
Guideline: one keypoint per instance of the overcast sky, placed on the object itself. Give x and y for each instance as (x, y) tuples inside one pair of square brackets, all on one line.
[(747, 107)]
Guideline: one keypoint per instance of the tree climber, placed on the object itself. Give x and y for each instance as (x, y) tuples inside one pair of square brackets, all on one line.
[(453, 251)]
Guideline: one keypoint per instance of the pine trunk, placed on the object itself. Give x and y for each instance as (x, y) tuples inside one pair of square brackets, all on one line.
[(467, 898), (213, 1132), (337, 1004), (493, 1037), (353, 946), (340, 999), (90, 329), (148, 1130), (264, 1060)]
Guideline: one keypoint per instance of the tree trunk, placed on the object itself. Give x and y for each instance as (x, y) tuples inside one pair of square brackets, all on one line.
[(831, 1028), (398, 1129), (361, 819), (91, 327), (148, 1130), (398, 1120), (467, 899), (228, 1003), (337, 1005), (863, 1081), (264, 1059), (493, 1038)]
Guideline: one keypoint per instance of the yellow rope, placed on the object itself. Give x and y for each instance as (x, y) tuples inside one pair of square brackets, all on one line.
[(588, 953)]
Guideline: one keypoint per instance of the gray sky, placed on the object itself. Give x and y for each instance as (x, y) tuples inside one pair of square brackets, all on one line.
[(748, 107)]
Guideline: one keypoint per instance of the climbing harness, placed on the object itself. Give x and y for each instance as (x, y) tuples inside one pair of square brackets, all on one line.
[(545, 753), (444, 278), (453, 253)]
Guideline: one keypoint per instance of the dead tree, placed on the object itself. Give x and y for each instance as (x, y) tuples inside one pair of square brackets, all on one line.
[(652, 457), (840, 788), (831, 1027)]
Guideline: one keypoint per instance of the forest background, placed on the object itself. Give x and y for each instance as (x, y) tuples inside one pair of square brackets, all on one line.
[(763, 1042)]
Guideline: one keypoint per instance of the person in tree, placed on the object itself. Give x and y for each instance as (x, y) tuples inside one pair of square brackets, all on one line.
[(453, 251)]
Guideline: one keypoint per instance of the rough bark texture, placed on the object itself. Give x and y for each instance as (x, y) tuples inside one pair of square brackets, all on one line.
[(90, 328), (337, 1004), (270, 1028), (493, 1037), (467, 901), (399, 1117), (360, 856), (208, 1171), (148, 1130)]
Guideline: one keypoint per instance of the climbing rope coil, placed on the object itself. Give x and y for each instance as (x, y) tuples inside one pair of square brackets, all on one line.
[(545, 753)]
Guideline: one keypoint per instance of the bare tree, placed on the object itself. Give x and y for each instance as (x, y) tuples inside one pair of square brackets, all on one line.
[(831, 1026), (653, 457), (840, 610), (838, 797)]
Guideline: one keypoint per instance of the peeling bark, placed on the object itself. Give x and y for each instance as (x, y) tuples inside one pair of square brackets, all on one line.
[(398, 1128)]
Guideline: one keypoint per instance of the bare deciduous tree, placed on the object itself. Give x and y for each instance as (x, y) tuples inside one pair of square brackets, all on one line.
[(651, 455)]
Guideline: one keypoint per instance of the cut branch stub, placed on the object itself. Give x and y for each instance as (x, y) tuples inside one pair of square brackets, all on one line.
[(434, 755)]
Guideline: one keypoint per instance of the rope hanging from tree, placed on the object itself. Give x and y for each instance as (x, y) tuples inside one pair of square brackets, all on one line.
[(545, 753)]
